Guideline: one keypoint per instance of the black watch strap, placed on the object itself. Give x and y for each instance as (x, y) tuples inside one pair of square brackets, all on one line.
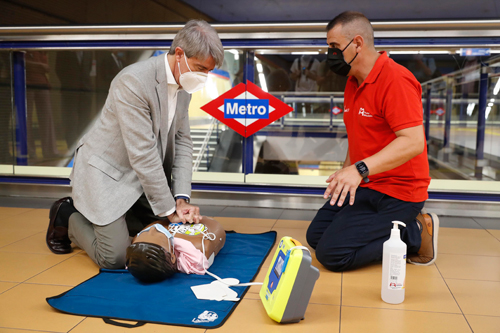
[(363, 170)]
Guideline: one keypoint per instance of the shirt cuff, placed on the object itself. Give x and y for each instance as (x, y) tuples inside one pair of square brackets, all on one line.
[(181, 196), (167, 213)]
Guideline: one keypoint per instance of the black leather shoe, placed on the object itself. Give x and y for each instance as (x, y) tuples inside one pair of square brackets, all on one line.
[(57, 237)]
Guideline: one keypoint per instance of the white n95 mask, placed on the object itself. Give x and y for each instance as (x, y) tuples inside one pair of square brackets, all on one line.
[(191, 81)]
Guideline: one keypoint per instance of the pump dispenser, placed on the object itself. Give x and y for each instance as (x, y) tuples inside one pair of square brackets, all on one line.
[(394, 267)]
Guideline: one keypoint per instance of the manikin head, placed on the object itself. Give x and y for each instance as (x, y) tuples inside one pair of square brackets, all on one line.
[(151, 256)]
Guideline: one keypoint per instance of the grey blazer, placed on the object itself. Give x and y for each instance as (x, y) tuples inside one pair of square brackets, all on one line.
[(130, 151)]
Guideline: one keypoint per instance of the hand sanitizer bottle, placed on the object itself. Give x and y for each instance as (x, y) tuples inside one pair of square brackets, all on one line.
[(394, 267)]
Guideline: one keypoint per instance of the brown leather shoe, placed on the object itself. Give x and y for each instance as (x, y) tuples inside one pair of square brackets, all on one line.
[(57, 237), (428, 248)]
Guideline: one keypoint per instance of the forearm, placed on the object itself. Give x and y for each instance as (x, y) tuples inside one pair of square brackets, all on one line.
[(399, 151), (347, 161)]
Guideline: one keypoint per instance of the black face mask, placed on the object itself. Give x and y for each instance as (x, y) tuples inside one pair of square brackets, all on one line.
[(336, 62)]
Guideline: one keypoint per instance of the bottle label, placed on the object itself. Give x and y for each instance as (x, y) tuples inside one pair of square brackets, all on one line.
[(397, 271)]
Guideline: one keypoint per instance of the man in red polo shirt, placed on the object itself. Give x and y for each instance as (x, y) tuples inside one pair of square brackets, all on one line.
[(386, 172)]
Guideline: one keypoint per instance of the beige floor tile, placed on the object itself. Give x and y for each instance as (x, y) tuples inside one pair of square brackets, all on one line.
[(16, 330), (70, 272), (356, 320), (460, 266), (238, 221), (25, 307), (34, 219), (32, 244), (424, 291), (495, 233), (97, 325), (12, 235), (18, 267), (476, 297), (4, 286), (327, 289), (468, 241), (250, 317), (430, 271), (484, 324), (292, 224), (6, 212)]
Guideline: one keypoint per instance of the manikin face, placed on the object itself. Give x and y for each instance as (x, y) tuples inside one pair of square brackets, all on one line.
[(153, 236)]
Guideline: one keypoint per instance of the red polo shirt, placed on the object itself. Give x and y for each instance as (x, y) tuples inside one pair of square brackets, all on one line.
[(387, 101)]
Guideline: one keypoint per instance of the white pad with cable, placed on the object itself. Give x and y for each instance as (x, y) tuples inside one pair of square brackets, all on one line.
[(217, 291)]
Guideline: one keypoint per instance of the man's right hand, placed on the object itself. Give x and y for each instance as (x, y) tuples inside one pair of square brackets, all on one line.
[(174, 218)]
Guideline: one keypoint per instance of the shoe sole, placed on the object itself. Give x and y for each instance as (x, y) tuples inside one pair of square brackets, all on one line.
[(435, 234)]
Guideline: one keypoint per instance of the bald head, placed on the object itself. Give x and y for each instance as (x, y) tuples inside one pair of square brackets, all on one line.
[(353, 24)]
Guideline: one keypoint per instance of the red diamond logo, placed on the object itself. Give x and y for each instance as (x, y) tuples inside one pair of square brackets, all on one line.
[(336, 110), (246, 109)]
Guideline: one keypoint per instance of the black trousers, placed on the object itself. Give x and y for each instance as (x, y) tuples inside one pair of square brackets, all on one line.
[(349, 237)]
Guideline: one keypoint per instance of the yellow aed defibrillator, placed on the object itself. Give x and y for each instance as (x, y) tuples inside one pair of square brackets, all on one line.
[(289, 283)]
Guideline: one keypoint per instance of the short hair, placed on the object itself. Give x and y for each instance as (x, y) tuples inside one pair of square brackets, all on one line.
[(149, 262), (199, 39), (353, 23)]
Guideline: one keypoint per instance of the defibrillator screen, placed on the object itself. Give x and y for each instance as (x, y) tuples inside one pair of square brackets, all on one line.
[(279, 266)]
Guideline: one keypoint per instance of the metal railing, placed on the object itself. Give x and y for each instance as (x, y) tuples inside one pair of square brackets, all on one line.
[(204, 146)]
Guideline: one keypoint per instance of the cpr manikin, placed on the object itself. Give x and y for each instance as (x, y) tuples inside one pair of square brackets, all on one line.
[(159, 251)]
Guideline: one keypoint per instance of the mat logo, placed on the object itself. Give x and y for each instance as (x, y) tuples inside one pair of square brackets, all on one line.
[(206, 317)]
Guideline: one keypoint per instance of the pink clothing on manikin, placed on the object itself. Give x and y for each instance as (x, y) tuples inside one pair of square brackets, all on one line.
[(190, 260)]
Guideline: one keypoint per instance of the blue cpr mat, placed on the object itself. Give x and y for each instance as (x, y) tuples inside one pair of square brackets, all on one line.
[(116, 294)]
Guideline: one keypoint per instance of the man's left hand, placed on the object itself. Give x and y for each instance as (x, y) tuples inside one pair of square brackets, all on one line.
[(187, 212), (343, 182)]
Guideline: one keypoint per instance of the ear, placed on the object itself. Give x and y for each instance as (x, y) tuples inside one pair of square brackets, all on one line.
[(359, 42), (179, 53)]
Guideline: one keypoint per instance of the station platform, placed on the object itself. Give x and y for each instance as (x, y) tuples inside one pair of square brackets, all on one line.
[(459, 293)]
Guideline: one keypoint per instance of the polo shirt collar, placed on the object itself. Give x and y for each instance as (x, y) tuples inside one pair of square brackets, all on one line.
[(377, 68)]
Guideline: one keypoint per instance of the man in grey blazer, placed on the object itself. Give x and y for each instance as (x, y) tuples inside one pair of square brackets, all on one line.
[(139, 151)]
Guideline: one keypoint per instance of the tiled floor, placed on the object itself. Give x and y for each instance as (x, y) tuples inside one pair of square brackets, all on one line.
[(460, 293)]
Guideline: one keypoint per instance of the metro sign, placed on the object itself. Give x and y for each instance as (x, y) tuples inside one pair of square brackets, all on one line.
[(438, 111), (246, 109), (336, 110)]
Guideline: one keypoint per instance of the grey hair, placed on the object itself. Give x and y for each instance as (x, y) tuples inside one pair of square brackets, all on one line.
[(198, 39)]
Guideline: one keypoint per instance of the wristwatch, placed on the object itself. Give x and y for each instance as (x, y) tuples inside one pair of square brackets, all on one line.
[(363, 170)]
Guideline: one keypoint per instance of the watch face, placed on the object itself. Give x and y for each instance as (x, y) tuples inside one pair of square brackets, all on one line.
[(362, 168)]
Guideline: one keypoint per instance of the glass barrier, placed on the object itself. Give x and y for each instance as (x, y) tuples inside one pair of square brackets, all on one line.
[(311, 140), (65, 91)]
